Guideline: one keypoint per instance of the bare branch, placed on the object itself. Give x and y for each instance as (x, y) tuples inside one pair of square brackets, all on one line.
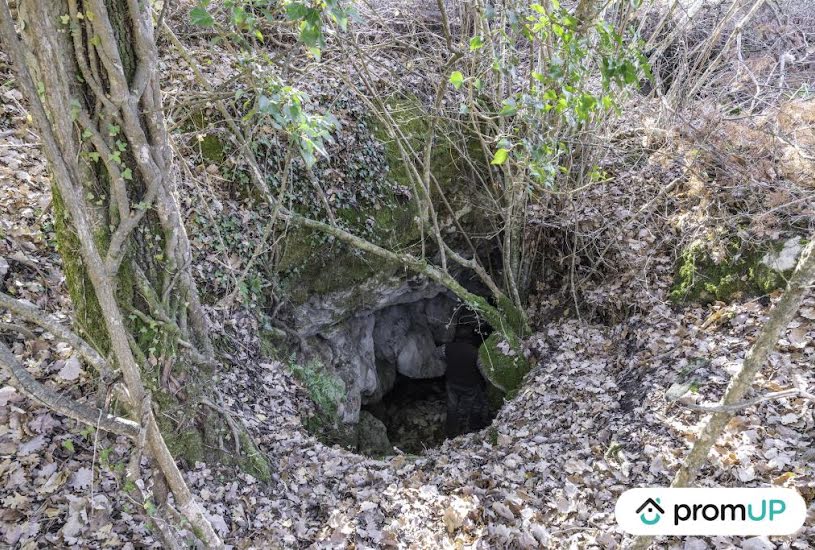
[(736, 407), (32, 314), (62, 404)]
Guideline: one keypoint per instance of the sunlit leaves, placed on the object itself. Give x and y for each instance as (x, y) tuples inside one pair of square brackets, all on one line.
[(508, 107), (561, 99), (311, 35), (284, 106), (584, 105), (200, 17), (311, 24), (500, 157), (456, 79), (339, 13)]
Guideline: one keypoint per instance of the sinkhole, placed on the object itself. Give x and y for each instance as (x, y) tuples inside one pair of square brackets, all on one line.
[(432, 388), (407, 366)]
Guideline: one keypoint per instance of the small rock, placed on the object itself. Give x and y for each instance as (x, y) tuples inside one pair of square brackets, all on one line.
[(757, 543), (786, 258)]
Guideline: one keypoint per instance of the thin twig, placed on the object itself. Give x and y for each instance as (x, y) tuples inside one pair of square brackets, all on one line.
[(735, 407)]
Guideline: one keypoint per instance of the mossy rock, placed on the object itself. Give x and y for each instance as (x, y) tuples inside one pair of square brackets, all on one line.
[(314, 266), (187, 445), (744, 271), (252, 461), (212, 149), (502, 363), (452, 174), (326, 389)]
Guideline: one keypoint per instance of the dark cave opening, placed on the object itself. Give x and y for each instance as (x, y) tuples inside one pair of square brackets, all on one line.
[(415, 413), (426, 355), (410, 373)]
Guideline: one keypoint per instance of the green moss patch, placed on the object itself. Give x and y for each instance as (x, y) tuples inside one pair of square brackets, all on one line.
[(187, 445), (376, 202), (741, 272), (252, 460), (502, 363), (87, 312), (212, 150), (325, 388)]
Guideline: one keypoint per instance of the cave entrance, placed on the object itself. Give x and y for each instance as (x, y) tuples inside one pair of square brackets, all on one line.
[(399, 379), (415, 412), (440, 392)]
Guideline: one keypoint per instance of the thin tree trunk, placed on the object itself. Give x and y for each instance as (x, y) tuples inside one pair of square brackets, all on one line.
[(103, 116)]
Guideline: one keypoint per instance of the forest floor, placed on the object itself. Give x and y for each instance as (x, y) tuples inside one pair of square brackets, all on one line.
[(591, 421)]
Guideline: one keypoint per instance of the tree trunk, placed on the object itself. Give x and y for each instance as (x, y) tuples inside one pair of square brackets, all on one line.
[(89, 71), (95, 69)]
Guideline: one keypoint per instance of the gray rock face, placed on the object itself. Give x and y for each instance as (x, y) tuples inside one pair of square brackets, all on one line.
[(369, 333), (786, 258), (324, 310), (404, 337)]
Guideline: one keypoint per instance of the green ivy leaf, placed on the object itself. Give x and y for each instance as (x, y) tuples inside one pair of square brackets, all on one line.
[(476, 42), (341, 19), (75, 108), (500, 157), (296, 10), (127, 174), (311, 34), (201, 17), (508, 107), (456, 79)]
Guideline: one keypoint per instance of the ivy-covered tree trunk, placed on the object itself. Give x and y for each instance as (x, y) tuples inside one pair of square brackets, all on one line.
[(95, 65), (89, 69)]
